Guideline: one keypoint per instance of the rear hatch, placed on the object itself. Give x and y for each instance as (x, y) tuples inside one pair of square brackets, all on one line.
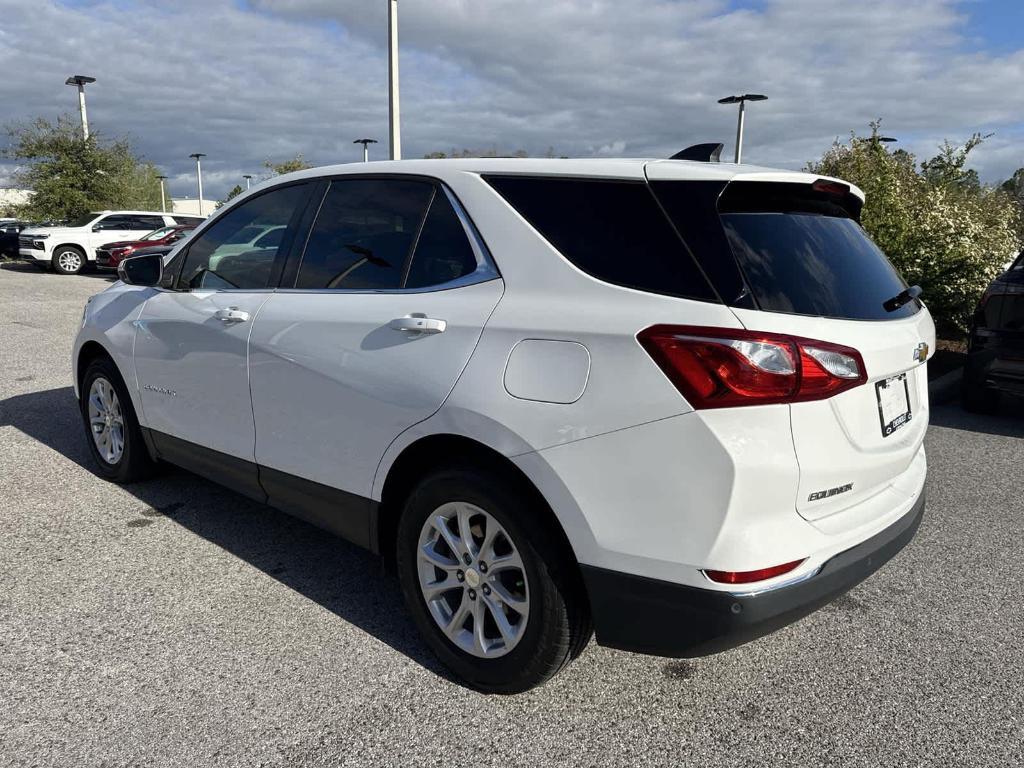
[(789, 257)]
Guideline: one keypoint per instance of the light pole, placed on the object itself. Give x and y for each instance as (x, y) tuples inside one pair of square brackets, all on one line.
[(394, 120), (248, 179), (80, 81), (199, 176), (741, 100), (365, 143), (163, 199)]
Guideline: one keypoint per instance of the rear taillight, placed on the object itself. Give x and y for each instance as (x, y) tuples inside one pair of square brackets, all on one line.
[(724, 368), (748, 577)]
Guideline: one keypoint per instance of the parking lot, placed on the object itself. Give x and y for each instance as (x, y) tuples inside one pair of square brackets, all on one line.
[(176, 623)]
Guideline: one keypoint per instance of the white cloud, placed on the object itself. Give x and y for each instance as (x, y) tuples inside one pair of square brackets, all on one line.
[(582, 76)]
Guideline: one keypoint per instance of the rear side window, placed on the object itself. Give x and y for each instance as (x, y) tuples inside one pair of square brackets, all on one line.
[(813, 264), (612, 230), (442, 251), (363, 234)]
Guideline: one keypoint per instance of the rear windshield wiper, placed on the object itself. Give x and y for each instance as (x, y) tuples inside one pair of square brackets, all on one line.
[(901, 298)]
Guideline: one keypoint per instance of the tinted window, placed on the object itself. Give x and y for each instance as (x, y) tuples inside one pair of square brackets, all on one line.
[(221, 257), (188, 219), (443, 252), (147, 222), (116, 222), (363, 234), (811, 264), (613, 230)]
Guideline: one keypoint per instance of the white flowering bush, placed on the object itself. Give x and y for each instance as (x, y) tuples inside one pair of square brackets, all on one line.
[(938, 225)]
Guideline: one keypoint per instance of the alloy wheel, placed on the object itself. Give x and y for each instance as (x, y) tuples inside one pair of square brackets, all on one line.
[(69, 261), (106, 420), (473, 580)]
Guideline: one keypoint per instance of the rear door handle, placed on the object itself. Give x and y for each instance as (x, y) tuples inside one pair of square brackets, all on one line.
[(231, 315), (418, 323)]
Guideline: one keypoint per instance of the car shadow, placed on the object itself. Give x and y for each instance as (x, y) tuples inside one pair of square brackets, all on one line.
[(346, 580), (1006, 421), (24, 266)]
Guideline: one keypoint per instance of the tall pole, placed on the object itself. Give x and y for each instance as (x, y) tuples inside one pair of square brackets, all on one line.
[(248, 179), (394, 118), (366, 143), (742, 101), (199, 176), (163, 199), (739, 131), (80, 81)]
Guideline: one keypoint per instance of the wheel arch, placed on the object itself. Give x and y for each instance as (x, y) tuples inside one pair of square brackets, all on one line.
[(88, 352), (436, 451)]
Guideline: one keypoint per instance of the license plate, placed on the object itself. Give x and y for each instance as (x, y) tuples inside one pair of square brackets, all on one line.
[(893, 403)]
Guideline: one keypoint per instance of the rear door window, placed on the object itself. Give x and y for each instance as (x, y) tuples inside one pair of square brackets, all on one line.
[(364, 233), (612, 230)]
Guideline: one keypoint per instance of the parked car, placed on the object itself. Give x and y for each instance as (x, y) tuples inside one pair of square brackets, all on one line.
[(995, 351), (109, 255), (70, 248), (9, 231), (682, 403)]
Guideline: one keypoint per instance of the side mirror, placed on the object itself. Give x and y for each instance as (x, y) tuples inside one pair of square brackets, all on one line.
[(142, 270), (97, 228)]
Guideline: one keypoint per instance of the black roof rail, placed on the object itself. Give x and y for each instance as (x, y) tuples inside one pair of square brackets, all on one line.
[(703, 153)]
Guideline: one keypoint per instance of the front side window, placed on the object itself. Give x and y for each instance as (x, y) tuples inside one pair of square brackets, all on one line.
[(232, 254), (115, 222)]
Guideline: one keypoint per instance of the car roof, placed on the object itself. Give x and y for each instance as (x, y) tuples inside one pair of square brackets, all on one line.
[(133, 213), (609, 168)]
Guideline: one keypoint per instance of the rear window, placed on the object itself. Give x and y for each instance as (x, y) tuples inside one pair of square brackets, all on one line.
[(802, 253), (612, 230)]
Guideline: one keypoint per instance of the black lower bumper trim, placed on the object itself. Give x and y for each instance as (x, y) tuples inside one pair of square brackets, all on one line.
[(635, 613)]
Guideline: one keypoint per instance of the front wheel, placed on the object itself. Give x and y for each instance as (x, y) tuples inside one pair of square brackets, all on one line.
[(112, 430), (68, 260), (488, 586)]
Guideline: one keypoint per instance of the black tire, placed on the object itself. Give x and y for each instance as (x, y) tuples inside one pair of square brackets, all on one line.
[(977, 398), (558, 624), (134, 463), (72, 255)]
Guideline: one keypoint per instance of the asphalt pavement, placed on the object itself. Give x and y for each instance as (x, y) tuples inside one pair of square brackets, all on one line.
[(177, 623)]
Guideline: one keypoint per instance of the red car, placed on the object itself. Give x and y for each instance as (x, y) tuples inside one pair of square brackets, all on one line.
[(109, 256)]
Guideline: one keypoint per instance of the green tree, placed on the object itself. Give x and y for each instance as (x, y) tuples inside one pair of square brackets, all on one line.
[(941, 227), (297, 163), (235, 192), (71, 175)]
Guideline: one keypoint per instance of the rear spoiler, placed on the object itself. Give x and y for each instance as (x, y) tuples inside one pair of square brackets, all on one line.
[(701, 153)]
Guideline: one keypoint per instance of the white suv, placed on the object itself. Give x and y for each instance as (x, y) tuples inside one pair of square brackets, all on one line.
[(69, 248), (680, 403)]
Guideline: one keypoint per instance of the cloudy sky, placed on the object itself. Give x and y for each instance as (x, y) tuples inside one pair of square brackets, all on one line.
[(244, 81)]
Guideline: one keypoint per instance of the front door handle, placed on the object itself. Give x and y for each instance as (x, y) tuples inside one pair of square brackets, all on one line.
[(231, 315), (418, 323)]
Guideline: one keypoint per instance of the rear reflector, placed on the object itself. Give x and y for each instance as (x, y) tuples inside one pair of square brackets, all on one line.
[(723, 368), (748, 577)]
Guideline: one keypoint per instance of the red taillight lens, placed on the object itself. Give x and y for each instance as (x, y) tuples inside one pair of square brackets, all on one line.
[(722, 368), (748, 577)]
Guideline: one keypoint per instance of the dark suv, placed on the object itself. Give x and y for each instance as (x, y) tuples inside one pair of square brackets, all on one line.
[(995, 355)]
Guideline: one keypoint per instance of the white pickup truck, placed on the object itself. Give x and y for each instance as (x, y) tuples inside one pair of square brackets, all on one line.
[(68, 249)]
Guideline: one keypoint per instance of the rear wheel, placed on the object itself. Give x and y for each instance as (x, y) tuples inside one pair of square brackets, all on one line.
[(487, 585), (112, 430), (68, 260)]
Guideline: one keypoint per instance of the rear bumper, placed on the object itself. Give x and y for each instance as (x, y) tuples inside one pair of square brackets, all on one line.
[(635, 613)]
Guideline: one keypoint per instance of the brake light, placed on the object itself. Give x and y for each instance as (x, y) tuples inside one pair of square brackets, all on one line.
[(748, 577), (724, 368)]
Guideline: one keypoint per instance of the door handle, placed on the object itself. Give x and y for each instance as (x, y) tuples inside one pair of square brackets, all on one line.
[(418, 323), (231, 315)]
